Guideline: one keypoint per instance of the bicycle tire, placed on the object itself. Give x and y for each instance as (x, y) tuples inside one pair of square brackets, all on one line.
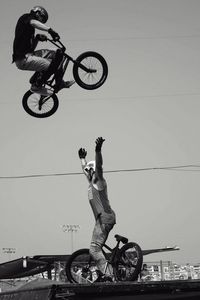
[(81, 268), (129, 262), (31, 104), (94, 60)]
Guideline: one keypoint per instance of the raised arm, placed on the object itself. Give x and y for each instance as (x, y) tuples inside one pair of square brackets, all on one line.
[(99, 158), (82, 155)]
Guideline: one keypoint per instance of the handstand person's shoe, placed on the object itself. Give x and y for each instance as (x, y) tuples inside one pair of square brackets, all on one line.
[(103, 278)]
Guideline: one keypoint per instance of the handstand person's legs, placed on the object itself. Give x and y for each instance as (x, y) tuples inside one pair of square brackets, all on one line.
[(99, 237)]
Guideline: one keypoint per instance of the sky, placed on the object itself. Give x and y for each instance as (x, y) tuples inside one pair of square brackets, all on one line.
[(147, 111)]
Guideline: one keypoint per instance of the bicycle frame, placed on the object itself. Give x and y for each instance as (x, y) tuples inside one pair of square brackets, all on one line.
[(113, 252), (113, 257), (68, 58), (64, 64)]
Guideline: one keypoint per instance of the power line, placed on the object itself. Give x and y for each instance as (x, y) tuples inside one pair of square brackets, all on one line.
[(40, 175), (151, 37), (170, 168), (134, 97), (180, 168)]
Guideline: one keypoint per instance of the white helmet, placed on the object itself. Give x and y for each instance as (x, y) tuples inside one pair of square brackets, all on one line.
[(90, 165)]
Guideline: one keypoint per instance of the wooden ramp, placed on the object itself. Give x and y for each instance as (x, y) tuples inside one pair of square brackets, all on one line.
[(160, 290)]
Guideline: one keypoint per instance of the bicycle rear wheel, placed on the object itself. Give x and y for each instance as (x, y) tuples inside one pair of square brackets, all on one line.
[(81, 268), (97, 70), (129, 262), (39, 106)]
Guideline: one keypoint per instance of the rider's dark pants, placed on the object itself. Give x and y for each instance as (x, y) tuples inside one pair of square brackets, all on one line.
[(38, 61), (42, 61), (54, 67)]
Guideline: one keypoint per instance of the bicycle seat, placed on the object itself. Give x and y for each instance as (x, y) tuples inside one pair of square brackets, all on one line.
[(120, 238)]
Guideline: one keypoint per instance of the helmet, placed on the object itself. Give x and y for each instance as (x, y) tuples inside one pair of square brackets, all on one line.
[(40, 13), (90, 165)]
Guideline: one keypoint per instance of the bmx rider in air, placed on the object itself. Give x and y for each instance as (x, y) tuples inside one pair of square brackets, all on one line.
[(25, 42)]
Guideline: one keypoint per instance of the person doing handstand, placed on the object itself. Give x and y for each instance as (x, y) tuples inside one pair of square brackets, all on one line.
[(105, 217)]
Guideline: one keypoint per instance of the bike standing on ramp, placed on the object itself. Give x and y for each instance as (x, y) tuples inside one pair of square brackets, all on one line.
[(126, 263), (90, 71)]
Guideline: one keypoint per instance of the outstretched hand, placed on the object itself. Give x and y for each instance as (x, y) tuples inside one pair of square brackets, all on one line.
[(82, 153), (99, 142), (55, 36)]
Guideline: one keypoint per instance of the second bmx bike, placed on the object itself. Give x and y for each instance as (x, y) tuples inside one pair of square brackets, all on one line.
[(89, 69), (124, 263)]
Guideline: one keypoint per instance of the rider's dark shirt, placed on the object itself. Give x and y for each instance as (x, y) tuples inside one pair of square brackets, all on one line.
[(24, 35)]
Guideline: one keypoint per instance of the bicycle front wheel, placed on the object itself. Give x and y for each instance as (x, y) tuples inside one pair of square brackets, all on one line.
[(40, 106), (81, 268), (90, 70), (129, 262)]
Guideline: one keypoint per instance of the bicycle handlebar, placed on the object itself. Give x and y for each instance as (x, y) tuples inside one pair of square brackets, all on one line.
[(57, 43)]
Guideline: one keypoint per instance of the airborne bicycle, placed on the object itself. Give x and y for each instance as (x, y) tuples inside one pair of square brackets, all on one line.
[(126, 263), (89, 69)]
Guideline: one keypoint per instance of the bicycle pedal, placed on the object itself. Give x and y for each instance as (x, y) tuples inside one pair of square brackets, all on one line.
[(41, 91)]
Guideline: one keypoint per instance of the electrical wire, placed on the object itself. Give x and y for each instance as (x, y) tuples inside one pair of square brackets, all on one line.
[(122, 98), (180, 168), (129, 38)]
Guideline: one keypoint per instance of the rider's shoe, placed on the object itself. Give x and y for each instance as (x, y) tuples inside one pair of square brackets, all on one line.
[(68, 84), (64, 85), (41, 90), (103, 278)]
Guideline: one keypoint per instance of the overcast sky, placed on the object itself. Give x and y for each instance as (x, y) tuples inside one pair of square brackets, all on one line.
[(148, 112)]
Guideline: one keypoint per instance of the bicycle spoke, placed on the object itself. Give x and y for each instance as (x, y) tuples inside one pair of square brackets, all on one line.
[(93, 64), (38, 104), (130, 262), (83, 269), (130, 259), (90, 70)]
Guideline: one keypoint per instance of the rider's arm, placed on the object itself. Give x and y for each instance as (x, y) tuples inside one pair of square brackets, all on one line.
[(99, 165), (99, 158), (38, 25), (83, 163)]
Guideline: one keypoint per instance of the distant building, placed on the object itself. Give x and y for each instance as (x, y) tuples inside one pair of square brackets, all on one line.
[(166, 270)]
